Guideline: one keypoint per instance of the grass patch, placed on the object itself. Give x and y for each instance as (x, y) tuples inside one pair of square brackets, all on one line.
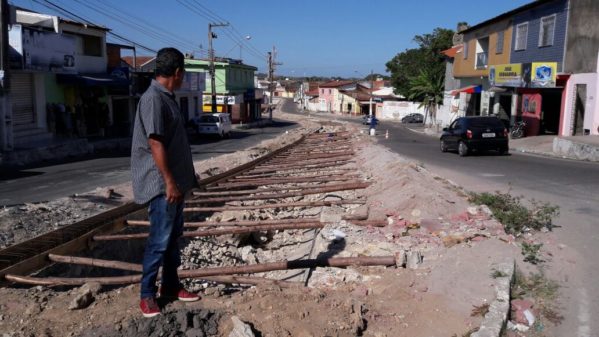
[(498, 273), (515, 217), (531, 252), (480, 310), (467, 333), (544, 292)]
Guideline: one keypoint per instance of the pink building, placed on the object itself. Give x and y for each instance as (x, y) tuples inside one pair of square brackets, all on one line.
[(328, 91)]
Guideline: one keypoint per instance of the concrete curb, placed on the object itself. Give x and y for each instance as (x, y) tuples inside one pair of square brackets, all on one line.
[(495, 320), (575, 150)]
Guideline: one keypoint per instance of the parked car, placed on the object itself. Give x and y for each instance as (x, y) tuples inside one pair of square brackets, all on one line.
[(468, 134), (413, 118), (218, 124), (366, 120)]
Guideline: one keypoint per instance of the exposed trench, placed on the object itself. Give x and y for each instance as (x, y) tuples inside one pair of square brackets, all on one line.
[(257, 224)]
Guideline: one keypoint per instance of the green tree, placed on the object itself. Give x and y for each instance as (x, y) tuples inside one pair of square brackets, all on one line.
[(410, 62), (427, 88)]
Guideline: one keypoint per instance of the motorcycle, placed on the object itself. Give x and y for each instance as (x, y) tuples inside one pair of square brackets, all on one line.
[(518, 130)]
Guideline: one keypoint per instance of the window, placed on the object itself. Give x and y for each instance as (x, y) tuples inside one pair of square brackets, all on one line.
[(482, 48), (499, 48), (329, 91), (547, 31), (92, 45), (465, 50), (521, 36)]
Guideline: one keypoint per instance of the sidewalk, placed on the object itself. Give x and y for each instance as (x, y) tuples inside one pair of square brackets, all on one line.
[(585, 148), (60, 149)]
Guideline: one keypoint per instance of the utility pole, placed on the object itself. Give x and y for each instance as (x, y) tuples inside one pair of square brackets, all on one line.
[(271, 71), (211, 56), (371, 90), (5, 106)]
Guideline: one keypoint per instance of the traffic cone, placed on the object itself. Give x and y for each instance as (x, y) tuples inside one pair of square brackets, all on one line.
[(387, 134)]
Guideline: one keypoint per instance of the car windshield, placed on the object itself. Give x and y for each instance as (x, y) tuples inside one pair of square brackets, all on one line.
[(485, 122), (208, 119)]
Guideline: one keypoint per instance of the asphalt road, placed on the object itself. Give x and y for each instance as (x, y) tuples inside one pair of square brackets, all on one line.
[(50, 182), (572, 185)]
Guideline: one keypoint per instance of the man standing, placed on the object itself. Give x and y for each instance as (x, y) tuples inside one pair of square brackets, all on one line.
[(162, 172)]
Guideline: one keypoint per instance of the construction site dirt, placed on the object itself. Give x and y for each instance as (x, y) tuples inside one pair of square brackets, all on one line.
[(381, 247)]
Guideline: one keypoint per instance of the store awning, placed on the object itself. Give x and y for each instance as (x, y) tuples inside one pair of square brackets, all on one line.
[(92, 80), (471, 89), (497, 89)]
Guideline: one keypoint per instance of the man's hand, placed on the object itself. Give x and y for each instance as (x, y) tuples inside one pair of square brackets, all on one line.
[(173, 195)]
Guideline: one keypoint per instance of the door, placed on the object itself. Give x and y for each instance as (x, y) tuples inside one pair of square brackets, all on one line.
[(21, 95), (505, 109), (454, 131), (579, 107)]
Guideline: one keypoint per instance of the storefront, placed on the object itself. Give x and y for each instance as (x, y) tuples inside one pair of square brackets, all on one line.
[(529, 92)]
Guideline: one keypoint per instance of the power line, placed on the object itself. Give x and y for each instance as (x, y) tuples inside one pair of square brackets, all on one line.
[(52, 6), (206, 13), (145, 29), (217, 17)]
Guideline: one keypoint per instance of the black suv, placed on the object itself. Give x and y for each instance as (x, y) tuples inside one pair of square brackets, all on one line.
[(467, 134)]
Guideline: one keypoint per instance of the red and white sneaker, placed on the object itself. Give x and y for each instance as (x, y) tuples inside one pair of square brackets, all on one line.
[(149, 307), (181, 294)]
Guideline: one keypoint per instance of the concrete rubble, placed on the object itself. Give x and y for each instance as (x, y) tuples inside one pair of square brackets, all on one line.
[(428, 223)]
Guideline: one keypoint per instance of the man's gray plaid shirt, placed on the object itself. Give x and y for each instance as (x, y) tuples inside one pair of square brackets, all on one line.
[(158, 114)]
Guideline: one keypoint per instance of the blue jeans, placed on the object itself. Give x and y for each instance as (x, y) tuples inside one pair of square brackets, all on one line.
[(162, 247)]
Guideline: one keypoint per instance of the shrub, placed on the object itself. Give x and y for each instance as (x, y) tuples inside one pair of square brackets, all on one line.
[(514, 216)]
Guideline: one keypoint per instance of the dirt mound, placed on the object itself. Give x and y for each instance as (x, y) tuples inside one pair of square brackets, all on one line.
[(197, 323)]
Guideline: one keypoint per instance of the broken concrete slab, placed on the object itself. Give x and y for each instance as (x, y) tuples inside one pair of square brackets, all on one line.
[(240, 329)]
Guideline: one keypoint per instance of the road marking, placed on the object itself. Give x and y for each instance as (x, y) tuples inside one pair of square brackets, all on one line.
[(584, 316), (491, 175)]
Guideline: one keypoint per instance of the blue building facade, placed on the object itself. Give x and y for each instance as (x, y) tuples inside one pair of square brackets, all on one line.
[(535, 48)]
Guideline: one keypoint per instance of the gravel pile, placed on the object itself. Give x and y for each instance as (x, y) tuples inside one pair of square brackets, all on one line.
[(19, 223)]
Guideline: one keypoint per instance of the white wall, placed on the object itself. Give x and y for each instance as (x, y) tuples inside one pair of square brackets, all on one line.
[(313, 106), (84, 63), (449, 111), (591, 113), (398, 110)]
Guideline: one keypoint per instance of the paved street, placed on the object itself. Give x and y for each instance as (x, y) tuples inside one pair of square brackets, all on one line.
[(572, 185), (60, 180)]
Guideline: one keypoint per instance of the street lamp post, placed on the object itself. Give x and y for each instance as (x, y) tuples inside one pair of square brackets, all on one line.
[(247, 37)]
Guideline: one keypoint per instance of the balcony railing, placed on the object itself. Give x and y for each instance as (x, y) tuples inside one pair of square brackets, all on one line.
[(481, 60)]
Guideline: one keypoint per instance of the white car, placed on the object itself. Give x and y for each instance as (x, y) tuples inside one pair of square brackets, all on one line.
[(218, 124)]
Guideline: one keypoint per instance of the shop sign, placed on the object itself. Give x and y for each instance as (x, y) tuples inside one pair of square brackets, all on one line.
[(506, 75), (227, 100), (543, 74)]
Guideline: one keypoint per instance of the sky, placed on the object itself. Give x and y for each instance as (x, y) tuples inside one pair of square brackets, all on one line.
[(347, 38)]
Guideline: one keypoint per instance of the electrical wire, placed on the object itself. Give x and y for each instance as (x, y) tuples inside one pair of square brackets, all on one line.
[(142, 27), (54, 7), (204, 12)]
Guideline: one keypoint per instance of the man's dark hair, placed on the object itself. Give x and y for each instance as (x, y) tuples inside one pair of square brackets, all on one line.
[(168, 60)]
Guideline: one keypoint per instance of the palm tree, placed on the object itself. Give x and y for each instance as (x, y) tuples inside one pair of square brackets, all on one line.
[(427, 88)]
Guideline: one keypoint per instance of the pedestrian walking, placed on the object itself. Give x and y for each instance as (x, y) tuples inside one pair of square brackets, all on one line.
[(162, 173)]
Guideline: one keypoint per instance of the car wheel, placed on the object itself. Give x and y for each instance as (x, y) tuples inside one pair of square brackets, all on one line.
[(504, 151), (443, 146), (462, 149)]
